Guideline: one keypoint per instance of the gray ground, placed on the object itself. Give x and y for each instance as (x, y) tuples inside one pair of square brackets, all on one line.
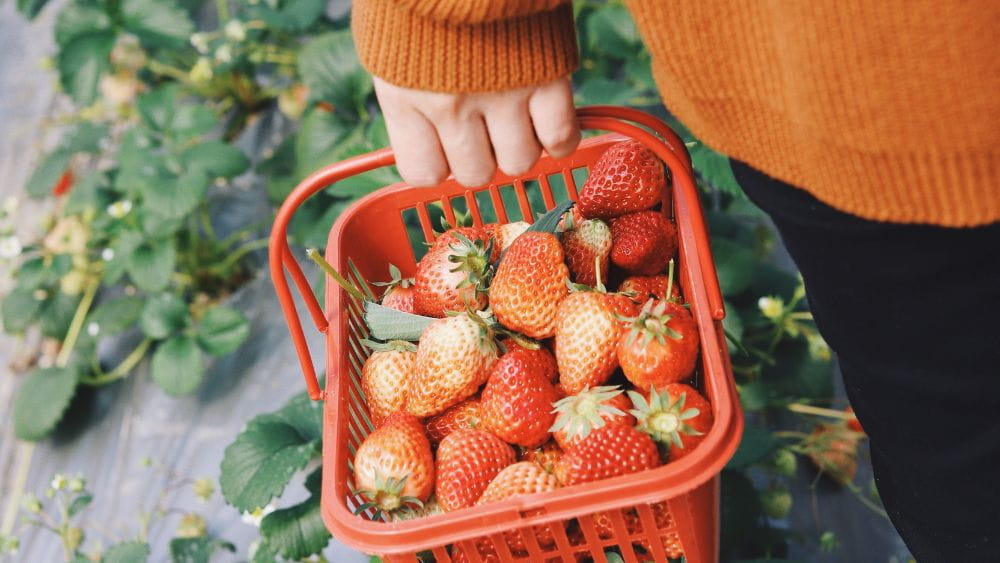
[(110, 430)]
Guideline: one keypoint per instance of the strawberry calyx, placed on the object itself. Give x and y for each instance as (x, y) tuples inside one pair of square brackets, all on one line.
[(651, 322), (473, 258), (397, 279), (387, 496), (487, 327), (663, 418), (578, 414)]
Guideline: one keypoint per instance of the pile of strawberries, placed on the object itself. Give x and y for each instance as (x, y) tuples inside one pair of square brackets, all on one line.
[(533, 375)]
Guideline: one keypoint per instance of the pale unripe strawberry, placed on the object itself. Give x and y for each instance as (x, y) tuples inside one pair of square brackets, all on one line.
[(394, 465), (454, 358), (587, 333), (385, 377)]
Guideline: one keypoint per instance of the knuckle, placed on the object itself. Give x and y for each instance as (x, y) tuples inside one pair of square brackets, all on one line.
[(475, 177), (561, 140), (518, 163)]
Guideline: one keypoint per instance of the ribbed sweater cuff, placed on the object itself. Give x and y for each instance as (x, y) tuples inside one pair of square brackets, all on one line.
[(427, 54)]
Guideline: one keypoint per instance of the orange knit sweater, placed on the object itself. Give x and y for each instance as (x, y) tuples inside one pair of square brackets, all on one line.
[(889, 110)]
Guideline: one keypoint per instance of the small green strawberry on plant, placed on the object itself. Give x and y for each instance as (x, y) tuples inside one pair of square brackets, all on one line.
[(776, 501)]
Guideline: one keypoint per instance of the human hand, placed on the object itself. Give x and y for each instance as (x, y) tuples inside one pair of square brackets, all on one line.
[(469, 135)]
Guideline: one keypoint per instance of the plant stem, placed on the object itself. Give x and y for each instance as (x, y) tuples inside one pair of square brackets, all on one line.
[(819, 411), (25, 451), (222, 9), (167, 70), (121, 370), (206, 223), (315, 256), (790, 434), (242, 251), (77, 323)]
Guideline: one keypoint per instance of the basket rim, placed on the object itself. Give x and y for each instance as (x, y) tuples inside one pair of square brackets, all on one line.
[(661, 483)]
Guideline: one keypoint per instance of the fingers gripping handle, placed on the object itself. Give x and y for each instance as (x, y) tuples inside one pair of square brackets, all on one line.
[(670, 149)]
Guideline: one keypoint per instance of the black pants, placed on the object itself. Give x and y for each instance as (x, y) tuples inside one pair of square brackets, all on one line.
[(913, 315)]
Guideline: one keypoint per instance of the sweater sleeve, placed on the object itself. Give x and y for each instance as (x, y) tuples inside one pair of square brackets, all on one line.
[(465, 45)]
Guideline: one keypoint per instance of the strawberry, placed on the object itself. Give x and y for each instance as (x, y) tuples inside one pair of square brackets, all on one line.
[(394, 466), (644, 288), (627, 177), (384, 377), (487, 553), (633, 524), (608, 451), (529, 284), (467, 460), (504, 234), (833, 449), (453, 275), (540, 358), (643, 242), (776, 501), (661, 346), (852, 420), (399, 291), (462, 415), (578, 414), (676, 415), (454, 358), (587, 246), (546, 455), (522, 478), (517, 401), (587, 332)]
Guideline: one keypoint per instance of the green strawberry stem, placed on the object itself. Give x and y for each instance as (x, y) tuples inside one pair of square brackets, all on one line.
[(354, 292), (819, 411)]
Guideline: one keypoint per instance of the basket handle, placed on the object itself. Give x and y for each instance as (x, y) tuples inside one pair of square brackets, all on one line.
[(670, 149)]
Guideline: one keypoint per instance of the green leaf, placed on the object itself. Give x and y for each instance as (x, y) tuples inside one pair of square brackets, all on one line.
[(715, 169), (163, 315), (258, 465), (216, 158), (79, 503), (34, 273), (81, 63), (176, 365), (192, 120), (151, 264), (329, 66), (19, 309), (321, 140), (174, 197), (757, 443), (157, 23), (57, 314), (127, 552), (79, 18), (157, 106), (30, 8), (85, 137), (222, 330), (797, 376), (293, 15), (740, 510), (386, 323), (734, 263), (611, 30), (89, 193), (296, 532), (113, 316), (48, 172), (196, 550), (604, 91), (122, 250), (41, 401), (547, 223)]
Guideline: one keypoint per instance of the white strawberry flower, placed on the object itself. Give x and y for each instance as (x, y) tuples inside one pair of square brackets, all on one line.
[(120, 208), (93, 329), (772, 307), (235, 30), (255, 516), (10, 247), (200, 42), (10, 205), (108, 254)]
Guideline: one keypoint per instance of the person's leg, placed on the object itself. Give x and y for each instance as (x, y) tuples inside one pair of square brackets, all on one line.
[(913, 315)]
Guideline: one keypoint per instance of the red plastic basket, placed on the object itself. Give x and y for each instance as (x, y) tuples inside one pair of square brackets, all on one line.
[(373, 233)]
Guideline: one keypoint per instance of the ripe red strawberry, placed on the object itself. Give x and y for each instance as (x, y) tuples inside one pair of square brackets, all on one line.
[(586, 246), (394, 465), (540, 358), (462, 415), (628, 177), (852, 421), (399, 291), (644, 288), (529, 284), (643, 242), (609, 451), (676, 415), (503, 235), (522, 478), (452, 276), (454, 358), (546, 455), (578, 414), (385, 377), (661, 346), (633, 524), (517, 402), (834, 451), (467, 460), (587, 333)]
